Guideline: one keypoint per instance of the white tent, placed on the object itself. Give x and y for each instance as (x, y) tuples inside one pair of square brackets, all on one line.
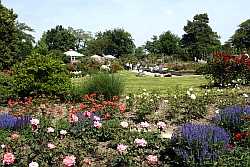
[(73, 55), (109, 57)]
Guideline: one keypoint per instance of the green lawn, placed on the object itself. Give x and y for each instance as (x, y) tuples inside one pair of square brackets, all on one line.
[(164, 84)]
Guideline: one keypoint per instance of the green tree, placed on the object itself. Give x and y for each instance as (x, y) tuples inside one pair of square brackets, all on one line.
[(59, 38), (27, 40), (241, 37), (82, 37), (153, 46), (169, 43), (199, 39), (114, 42), (9, 40)]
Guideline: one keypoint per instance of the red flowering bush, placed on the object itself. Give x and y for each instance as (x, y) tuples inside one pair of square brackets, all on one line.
[(224, 69)]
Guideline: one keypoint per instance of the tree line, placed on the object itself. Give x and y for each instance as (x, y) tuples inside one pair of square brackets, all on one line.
[(199, 40)]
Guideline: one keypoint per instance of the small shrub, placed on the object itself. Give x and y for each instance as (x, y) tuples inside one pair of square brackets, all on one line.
[(107, 84), (39, 74), (199, 145)]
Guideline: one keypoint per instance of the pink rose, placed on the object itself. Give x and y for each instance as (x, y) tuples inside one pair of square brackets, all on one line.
[(63, 132), (152, 159), (121, 148), (42, 106), (35, 122), (15, 136), (50, 130), (69, 161), (140, 142), (74, 118), (33, 164), (51, 146), (124, 124), (8, 158), (97, 124), (161, 125), (96, 118), (144, 125)]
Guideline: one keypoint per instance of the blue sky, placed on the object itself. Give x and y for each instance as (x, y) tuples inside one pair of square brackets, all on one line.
[(141, 18)]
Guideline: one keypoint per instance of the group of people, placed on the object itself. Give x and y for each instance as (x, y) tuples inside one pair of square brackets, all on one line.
[(129, 66)]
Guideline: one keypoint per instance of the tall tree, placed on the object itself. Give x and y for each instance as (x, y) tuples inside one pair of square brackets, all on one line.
[(59, 38), (27, 40), (199, 39), (115, 42), (9, 38), (241, 37), (82, 37)]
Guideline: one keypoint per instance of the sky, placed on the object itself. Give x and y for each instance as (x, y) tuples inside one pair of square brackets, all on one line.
[(141, 18)]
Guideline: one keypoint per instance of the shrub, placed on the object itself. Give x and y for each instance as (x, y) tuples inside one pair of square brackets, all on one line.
[(199, 145), (224, 69), (107, 84), (39, 74), (6, 88)]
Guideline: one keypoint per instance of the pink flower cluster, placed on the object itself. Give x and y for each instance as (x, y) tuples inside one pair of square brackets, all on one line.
[(140, 142), (97, 122), (152, 159), (121, 148), (8, 159), (69, 161), (73, 119)]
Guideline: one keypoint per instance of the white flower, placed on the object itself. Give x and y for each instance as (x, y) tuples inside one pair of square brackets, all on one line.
[(165, 101), (144, 90), (63, 132), (151, 100), (190, 89), (217, 111), (124, 124), (206, 94), (188, 93), (127, 97), (161, 125), (193, 96), (245, 95), (33, 164), (2, 146), (175, 96)]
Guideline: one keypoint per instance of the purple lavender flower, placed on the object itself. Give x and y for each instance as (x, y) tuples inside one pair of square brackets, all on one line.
[(200, 143)]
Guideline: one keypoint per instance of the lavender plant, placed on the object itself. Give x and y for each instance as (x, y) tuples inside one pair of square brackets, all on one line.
[(199, 145), (232, 118), (10, 122)]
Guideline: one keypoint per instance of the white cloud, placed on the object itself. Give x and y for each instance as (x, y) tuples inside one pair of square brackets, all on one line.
[(168, 12)]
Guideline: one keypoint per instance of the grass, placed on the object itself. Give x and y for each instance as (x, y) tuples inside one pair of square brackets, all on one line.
[(160, 84)]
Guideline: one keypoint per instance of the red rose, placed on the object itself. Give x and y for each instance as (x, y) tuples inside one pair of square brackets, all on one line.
[(246, 133), (248, 117), (231, 145), (237, 136)]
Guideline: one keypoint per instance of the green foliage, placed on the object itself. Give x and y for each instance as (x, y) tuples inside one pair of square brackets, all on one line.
[(199, 38), (107, 84), (40, 74), (225, 69), (59, 38), (9, 40), (114, 42), (241, 37), (167, 44), (6, 88)]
